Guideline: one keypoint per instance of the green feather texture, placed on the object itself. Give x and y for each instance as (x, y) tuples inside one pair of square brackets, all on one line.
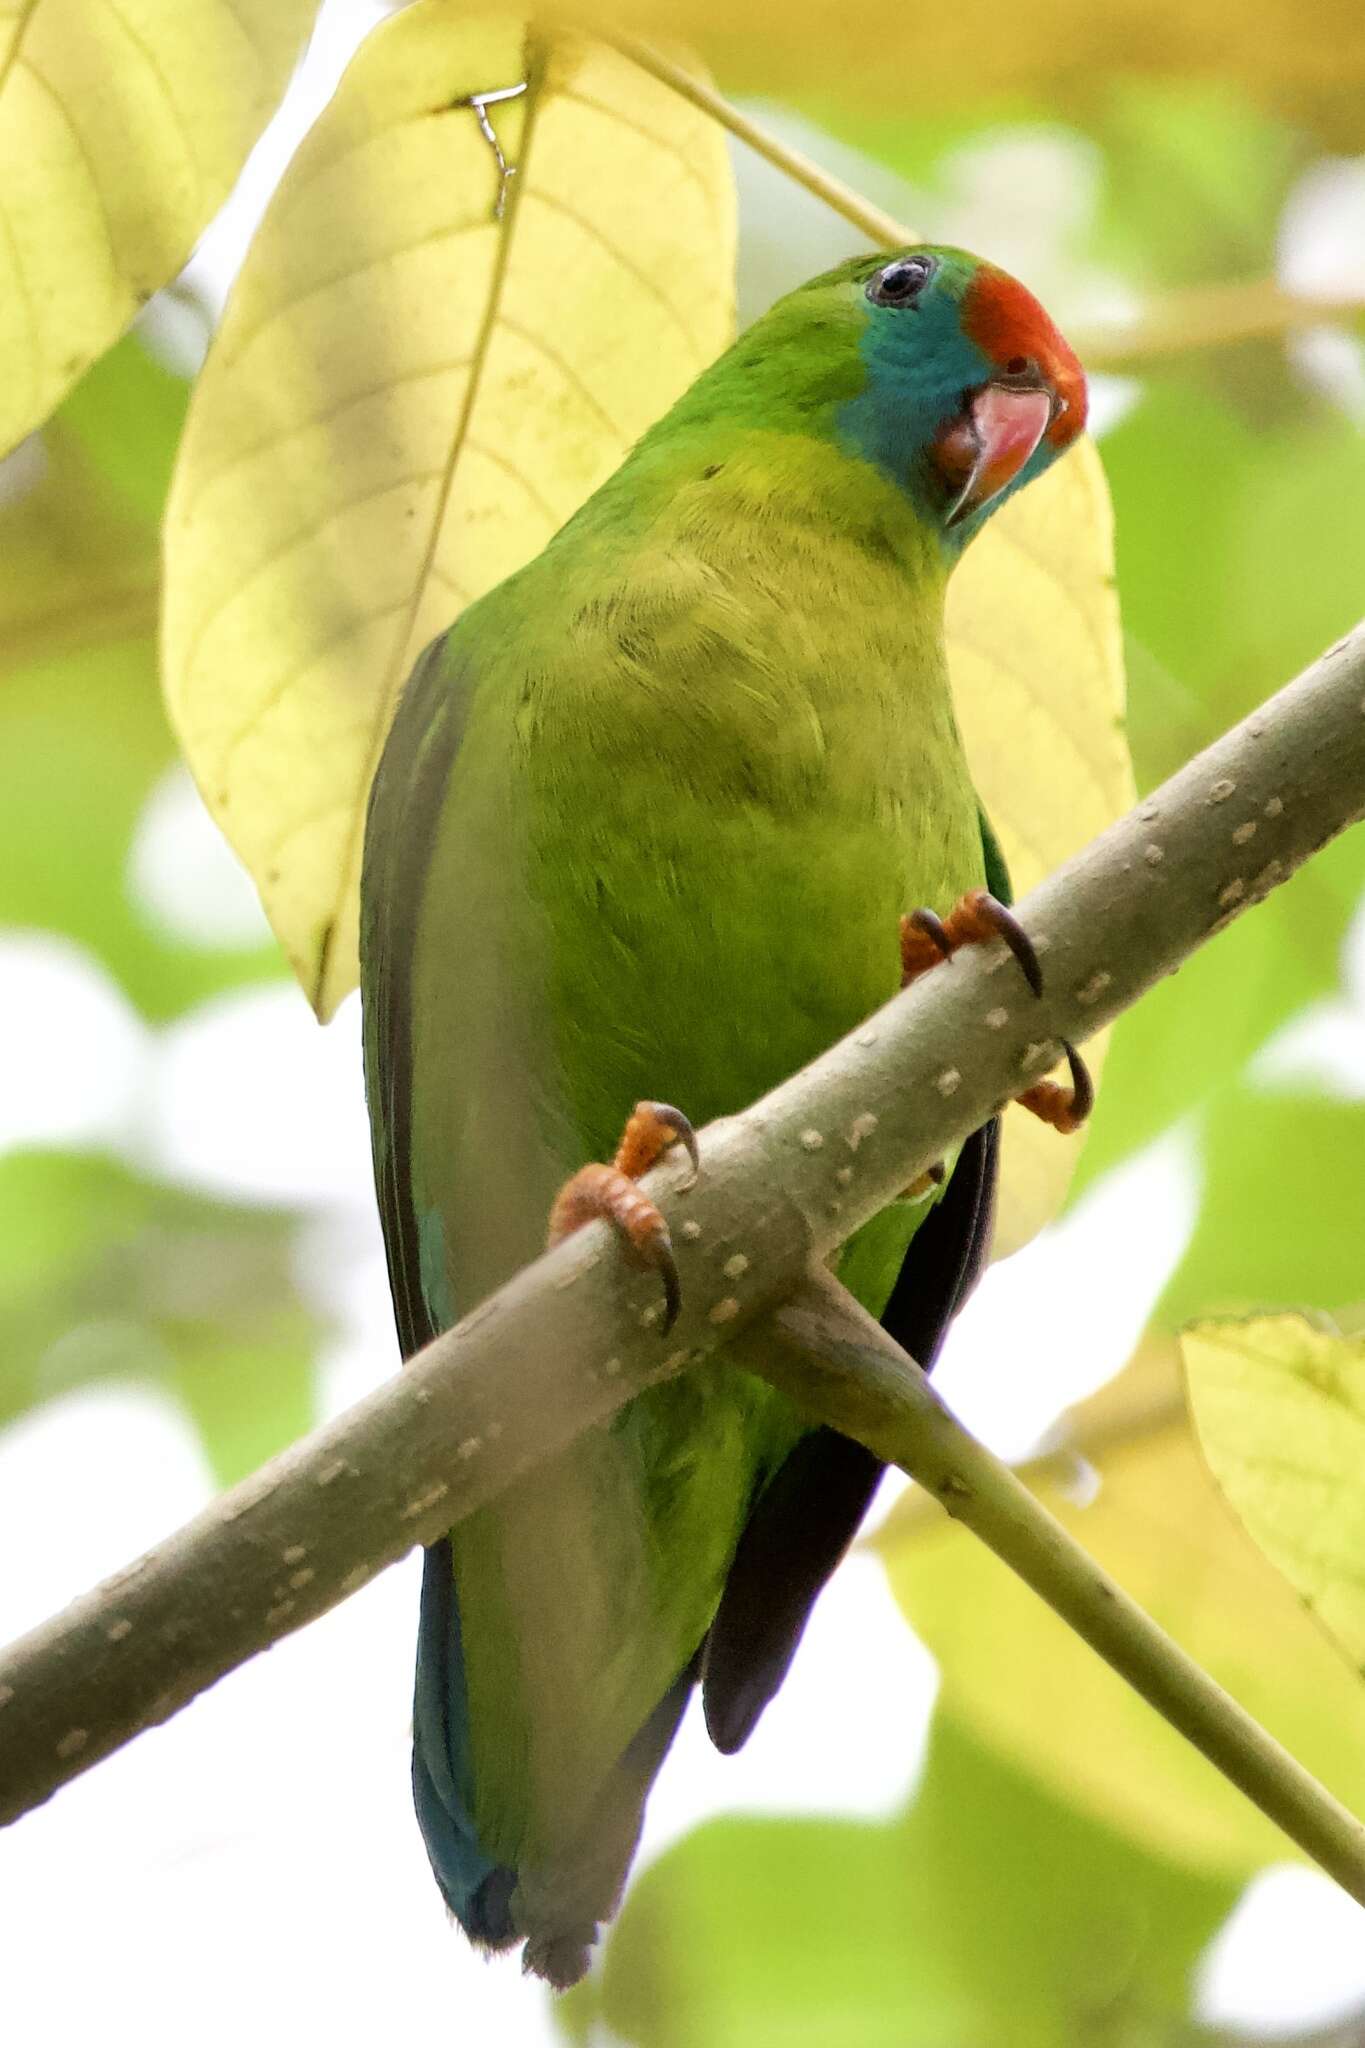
[(644, 828)]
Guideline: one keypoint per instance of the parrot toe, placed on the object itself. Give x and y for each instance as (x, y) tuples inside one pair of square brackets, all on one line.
[(974, 920), (610, 1192), (1064, 1106), (927, 940)]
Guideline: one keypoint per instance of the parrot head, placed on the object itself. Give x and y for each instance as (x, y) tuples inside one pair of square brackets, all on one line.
[(968, 389)]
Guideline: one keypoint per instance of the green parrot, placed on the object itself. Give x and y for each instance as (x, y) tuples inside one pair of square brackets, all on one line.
[(646, 832)]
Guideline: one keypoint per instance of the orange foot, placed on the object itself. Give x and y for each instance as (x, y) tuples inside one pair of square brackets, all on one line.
[(978, 917), (610, 1192)]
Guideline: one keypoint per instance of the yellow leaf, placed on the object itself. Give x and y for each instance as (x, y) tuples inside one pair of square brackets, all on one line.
[(410, 393), (1042, 1697), (1280, 1412), (1036, 656), (122, 128), (1306, 62)]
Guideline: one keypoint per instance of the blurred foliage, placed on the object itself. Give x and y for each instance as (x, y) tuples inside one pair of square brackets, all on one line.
[(1279, 1408), (1160, 1526), (106, 1274), (1308, 65), (1283, 1211), (83, 737), (990, 1912), (103, 1272), (1066, 1858)]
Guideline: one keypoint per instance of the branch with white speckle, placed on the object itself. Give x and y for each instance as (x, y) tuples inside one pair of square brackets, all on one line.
[(573, 1337)]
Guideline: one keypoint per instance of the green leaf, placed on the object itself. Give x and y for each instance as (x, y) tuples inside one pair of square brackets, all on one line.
[(105, 1273), (1283, 1214), (1187, 1043), (127, 413), (1034, 1691), (1279, 1407), (1197, 176), (121, 132), (1193, 484), (83, 736), (83, 743), (993, 1912)]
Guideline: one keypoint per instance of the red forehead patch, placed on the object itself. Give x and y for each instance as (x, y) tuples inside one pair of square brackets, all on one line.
[(1007, 324)]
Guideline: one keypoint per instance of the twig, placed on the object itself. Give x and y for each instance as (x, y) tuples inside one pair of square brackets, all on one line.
[(574, 1336), (880, 227), (1071, 1444), (828, 1354)]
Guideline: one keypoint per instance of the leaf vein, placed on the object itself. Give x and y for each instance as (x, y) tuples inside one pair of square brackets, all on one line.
[(626, 263), (291, 546)]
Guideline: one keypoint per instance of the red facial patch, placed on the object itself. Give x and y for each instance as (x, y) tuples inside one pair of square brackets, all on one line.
[(1010, 327)]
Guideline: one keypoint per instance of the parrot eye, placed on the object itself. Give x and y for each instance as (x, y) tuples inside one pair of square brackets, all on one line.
[(901, 282)]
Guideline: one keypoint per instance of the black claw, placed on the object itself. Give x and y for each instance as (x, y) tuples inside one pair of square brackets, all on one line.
[(1082, 1087), (932, 926), (668, 1273), (683, 1133), (1019, 943)]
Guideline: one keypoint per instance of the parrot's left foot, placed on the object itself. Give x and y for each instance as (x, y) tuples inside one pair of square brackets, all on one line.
[(610, 1192), (978, 917), (975, 919)]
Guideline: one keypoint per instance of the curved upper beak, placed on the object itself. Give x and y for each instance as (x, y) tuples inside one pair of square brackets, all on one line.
[(985, 446)]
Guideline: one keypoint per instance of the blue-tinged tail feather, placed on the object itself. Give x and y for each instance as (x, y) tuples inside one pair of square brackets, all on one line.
[(477, 1889)]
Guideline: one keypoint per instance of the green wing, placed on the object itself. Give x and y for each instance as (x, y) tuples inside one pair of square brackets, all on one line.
[(806, 1518)]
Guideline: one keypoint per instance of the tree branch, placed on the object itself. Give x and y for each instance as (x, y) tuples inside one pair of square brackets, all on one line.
[(825, 1352), (1211, 316), (574, 1336)]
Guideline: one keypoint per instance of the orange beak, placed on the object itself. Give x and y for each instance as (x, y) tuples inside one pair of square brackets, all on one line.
[(984, 448)]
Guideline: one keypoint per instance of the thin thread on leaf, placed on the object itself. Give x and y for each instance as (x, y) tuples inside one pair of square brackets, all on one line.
[(481, 102)]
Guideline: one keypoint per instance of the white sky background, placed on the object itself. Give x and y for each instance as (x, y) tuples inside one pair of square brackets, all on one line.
[(253, 1867)]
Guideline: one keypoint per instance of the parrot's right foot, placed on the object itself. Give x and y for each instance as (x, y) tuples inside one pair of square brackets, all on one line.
[(927, 940), (611, 1193)]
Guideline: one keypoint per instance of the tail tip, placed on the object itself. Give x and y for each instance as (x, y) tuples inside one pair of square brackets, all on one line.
[(562, 1959)]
